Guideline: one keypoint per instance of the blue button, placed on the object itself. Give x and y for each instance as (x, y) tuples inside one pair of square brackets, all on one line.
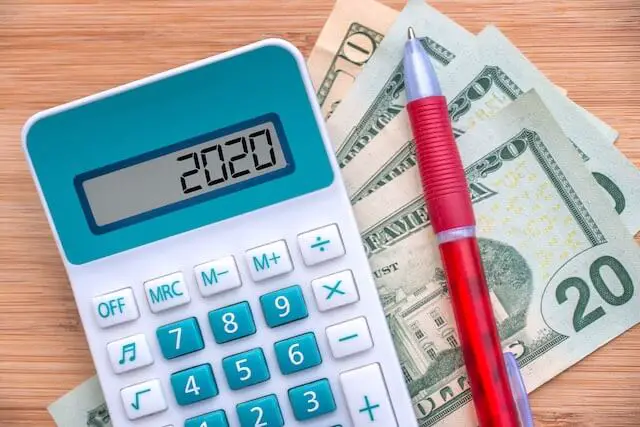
[(232, 322), (297, 353), (312, 400), (263, 412), (211, 419), (180, 338), (283, 306), (245, 369), (194, 384)]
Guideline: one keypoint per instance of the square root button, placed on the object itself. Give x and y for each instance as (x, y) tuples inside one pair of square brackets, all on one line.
[(143, 399), (321, 244)]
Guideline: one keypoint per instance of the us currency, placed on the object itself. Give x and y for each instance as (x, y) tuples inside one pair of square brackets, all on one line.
[(561, 267), (378, 93), (84, 406), (480, 85), (348, 39)]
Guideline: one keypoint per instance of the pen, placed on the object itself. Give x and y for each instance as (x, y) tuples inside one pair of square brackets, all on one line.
[(451, 213)]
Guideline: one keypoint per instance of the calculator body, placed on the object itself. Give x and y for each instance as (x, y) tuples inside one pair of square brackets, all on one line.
[(251, 271)]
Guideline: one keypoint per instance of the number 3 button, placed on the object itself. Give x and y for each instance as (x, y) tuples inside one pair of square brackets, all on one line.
[(312, 400)]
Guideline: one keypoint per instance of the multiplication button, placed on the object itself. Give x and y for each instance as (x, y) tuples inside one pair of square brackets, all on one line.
[(335, 290), (321, 244)]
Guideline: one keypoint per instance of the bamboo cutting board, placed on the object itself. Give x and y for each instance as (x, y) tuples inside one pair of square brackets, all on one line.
[(53, 51)]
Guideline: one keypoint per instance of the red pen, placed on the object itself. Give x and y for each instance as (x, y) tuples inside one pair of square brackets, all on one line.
[(451, 213)]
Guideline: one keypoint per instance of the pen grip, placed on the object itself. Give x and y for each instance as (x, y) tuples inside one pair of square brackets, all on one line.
[(476, 325), (441, 172)]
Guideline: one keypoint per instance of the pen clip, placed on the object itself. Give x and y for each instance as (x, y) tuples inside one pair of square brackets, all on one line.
[(518, 390)]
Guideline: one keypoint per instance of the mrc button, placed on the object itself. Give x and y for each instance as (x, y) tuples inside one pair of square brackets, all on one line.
[(115, 308), (166, 292)]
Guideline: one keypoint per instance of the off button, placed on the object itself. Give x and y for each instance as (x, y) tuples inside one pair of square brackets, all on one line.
[(115, 308)]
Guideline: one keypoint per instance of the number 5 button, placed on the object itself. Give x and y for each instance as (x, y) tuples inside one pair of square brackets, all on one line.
[(245, 369)]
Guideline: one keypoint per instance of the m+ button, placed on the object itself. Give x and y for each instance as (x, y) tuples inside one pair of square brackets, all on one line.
[(268, 261)]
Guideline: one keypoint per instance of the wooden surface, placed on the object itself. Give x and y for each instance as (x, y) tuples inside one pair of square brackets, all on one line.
[(55, 51)]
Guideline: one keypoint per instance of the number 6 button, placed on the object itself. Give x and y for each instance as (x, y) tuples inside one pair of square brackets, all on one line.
[(297, 353)]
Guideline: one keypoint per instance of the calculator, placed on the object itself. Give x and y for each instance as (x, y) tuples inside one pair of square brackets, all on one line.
[(212, 251)]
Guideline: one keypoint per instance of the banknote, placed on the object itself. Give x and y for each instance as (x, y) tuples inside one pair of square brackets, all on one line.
[(348, 39), (478, 86), (561, 267), (84, 406), (378, 93)]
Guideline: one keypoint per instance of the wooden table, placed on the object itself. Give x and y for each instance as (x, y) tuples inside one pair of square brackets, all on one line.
[(53, 51)]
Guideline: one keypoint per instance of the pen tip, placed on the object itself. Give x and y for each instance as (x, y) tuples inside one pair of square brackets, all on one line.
[(410, 33)]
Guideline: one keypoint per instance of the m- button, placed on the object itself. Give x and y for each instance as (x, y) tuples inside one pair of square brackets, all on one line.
[(269, 260), (335, 290)]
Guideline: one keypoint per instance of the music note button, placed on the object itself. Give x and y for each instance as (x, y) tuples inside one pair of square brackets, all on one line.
[(129, 353)]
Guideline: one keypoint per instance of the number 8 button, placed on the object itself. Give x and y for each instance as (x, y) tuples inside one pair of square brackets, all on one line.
[(232, 322)]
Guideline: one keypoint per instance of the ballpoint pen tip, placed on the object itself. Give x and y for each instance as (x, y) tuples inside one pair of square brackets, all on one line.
[(410, 33)]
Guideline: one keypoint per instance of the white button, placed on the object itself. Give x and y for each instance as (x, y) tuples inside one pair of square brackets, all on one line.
[(115, 308), (321, 244), (367, 397), (269, 260), (217, 276), (143, 399), (349, 337), (129, 353), (335, 290), (166, 292)]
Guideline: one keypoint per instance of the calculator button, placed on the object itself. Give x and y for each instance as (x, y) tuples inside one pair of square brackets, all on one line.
[(129, 353), (211, 419), (166, 292), (297, 353), (264, 412), (349, 337), (321, 244), (335, 290), (367, 397), (143, 399), (232, 322), (180, 338), (269, 260), (217, 276), (312, 400), (115, 308), (194, 384), (283, 306), (246, 369)]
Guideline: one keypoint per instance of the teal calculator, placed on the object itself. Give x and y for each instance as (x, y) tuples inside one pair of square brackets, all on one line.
[(212, 251)]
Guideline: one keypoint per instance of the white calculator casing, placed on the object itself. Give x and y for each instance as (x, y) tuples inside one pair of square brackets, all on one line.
[(182, 251)]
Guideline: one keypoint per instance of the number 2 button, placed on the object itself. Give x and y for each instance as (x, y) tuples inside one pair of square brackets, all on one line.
[(261, 412), (232, 322)]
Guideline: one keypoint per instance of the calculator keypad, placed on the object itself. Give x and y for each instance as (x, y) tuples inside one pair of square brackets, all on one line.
[(246, 369), (232, 322), (180, 338), (166, 292), (297, 353), (283, 306), (194, 384), (335, 290), (312, 400), (268, 261), (143, 399), (264, 411), (217, 276), (129, 353), (280, 307), (115, 308)]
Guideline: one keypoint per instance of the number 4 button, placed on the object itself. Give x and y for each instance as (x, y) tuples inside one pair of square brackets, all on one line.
[(194, 384)]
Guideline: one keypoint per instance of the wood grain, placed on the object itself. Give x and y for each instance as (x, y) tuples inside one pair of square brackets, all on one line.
[(53, 51)]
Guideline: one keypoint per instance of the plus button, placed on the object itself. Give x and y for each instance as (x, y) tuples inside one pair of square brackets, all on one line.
[(274, 258), (368, 408)]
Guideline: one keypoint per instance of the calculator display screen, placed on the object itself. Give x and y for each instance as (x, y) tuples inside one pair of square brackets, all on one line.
[(156, 181)]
